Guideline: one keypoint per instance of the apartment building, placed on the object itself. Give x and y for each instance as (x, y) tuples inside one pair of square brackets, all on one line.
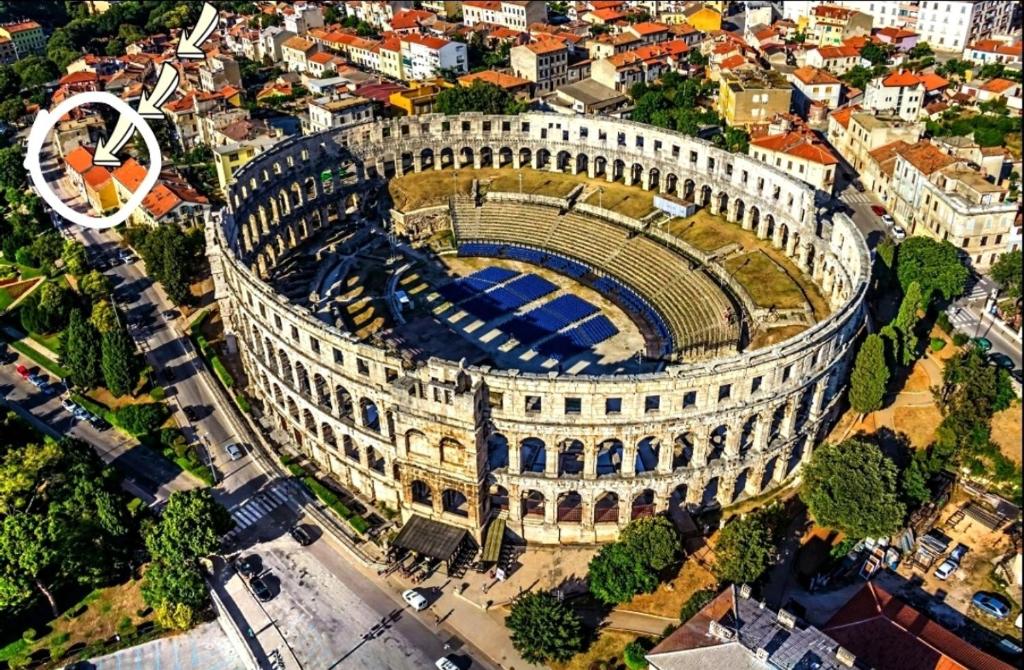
[(92, 181), (544, 63), (855, 133), (987, 51), (296, 52), (748, 96), (517, 15), (301, 17), (8, 54), (377, 13), (646, 64), (173, 202), (446, 9), (800, 154), (900, 93), (219, 71), (336, 111), (831, 25), (812, 86), (27, 37), (837, 60), (425, 57), (946, 25)]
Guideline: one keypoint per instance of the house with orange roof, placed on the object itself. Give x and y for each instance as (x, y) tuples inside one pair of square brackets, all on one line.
[(322, 64), (545, 63), (424, 57), (994, 89), (519, 87), (994, 51), (173, 204), (831, 25), (751, 96), (900, 93), (218, 71), (901, 38), (838, 60), (649, 32), (26, 36), (296, 52), (389, 57), (645, 64), (855, 132), (702, 17), (603, 17), (799, 153), (127, 178), (77, 131), (93, 181), (813, 86), (410, 21)]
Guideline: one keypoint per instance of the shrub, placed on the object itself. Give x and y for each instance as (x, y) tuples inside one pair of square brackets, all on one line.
[(635, 652), (696, 603), (29, 635), (938, 344), (944, 323), (157, 393), (959, 339), (222, 372), (243, 403), (360, 524), (142, 418), (125, 627)]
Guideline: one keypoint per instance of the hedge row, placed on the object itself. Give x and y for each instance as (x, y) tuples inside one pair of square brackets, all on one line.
[(331, 499)]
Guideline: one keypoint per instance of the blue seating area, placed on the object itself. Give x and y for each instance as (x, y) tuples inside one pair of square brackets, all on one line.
[(481, 280), (593, 331), (564, 310), (633, 303), (484, 307), (525, 329), (557, 263), (560, 347), (530, 288)]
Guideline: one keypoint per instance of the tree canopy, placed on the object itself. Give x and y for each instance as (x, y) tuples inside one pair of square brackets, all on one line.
[(674, 103), (480, 96), (543, 628), (746, 547), (119, 361), (870, 376), (80, 351), (1007, 271), (616, 574), (851, 486), (935, 266)]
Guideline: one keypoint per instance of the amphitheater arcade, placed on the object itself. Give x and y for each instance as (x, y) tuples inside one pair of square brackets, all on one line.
[(461, 444)]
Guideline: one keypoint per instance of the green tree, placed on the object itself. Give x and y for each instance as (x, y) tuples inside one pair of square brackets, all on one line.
[(80, 351), (95, 285), (851, 486), (745, 548), (876, 54), (870, 376), (75, 259), (141, 418), (635, 653), (920, 50), (617, 574), (104, 317), (35, 72), (914, 480), (480, 96), (120, 362), (544, 629), (858, 77), (906, 323), (1007, 272), (653, 540), (936, 266), (12, 109), (12, 168)]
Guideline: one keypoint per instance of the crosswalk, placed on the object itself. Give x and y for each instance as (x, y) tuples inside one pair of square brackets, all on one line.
[(855, 197), (976, 290), (281, 492), (962, 319)]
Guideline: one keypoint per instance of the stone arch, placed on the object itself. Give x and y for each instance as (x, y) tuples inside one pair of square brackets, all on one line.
[(600, 166), (740, 485), (374, 459), (285, 367), (654, 178), (543, 158), (311, 192), (276, 389), (447, 158), (344, 402), (327, 435), (705, 196), (293, 409), (498, 496), (426, 157), (682, 450), (618, 170), (570, 458), (497, 451), (569, 507), (723, 202), (648, 451), (609, 457), (505, 156), (525, 156), (417, 444), (636, 173), (606, 508), (689, 189), (308, 421), (487, 157), (454, 502), (582, 162), (532, 455), (562, 160), (769, 227), (466, 157), (349, 448), (740, 209), (716, 442), (532, 504), (671, 183), (783, 235), (755, 217), (369, 414), (710, 494), (302, 379), (322, 391), (747, 434), (451, 450), (642, 505), (421, 493), (769, 473)]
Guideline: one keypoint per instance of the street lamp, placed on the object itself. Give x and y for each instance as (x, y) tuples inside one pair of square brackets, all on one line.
[(204, 438)]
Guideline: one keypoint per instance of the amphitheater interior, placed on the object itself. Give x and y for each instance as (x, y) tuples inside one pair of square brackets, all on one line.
[(547, 324)]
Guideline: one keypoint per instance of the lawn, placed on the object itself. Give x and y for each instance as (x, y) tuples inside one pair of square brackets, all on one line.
[(668, 599), (607, 649), (709, 233), (5, 299), (631, 201), (29, 352), (768, 284), (50, 341), (26, 271)]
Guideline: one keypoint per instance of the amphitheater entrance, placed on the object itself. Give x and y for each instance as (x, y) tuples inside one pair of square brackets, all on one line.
[(609, 457), (570, 507), (647, 454), (643, 505), (606, 508)]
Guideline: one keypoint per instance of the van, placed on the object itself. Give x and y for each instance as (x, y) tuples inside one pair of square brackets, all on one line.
[(415, 599)]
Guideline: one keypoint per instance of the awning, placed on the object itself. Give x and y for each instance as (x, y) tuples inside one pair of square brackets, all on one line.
[(492, 543), (430, 538)]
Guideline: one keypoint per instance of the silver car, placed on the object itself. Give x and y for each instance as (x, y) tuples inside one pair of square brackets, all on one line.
[(235, 451)]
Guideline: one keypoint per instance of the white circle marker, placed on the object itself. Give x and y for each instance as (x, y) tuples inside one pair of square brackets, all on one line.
[(46, 120)]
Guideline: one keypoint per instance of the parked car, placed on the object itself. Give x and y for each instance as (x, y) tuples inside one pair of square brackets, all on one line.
[(415, 599), (952, 562), (249, 566), (888, 220), (260, 589), (171, 314), (899, 233), (22, 370), (69, 405), (991, 605), (37, 380), (446, 664), (99, 423), (190, 413), (1001, 361), (81, 413), (126, 256), (983, 344), (48, 389), (302, 535), (235, 451), (878, 210)]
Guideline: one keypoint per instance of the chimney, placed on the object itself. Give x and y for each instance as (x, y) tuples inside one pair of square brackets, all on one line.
[(786, 619), (719, 631), (745, 591), (846, 657)]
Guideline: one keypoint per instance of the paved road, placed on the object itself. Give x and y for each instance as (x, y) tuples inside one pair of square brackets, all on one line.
[(205, 647), (323, 603), (968, 316)]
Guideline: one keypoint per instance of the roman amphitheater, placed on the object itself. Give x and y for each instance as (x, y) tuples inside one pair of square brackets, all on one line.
[(561, 322)]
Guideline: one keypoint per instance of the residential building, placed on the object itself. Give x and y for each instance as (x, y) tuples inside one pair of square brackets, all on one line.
[(520, 88), (419, 97), (296, 52), (814, 87), (218, 71), (949, 25), (389, 58), (899, 93), (127, 178), (323, 64), (994, 51), (703, 17), (301, 17), (881, 631), (92, 181), (365, 54), (837, 60), (735, 630), (646, 64), (8, 54), (798, 153), (587, 96), (900, 38), (446, 9), (336, 112), (27, 36), (83, 131), (270, 46), (517, 15), (375, 12), (544, 63), (228, 158), (411, 21), (748, 96), (831, 25), (173, 203), (603, 17), (855, 133), (993, 89), (425, 57)]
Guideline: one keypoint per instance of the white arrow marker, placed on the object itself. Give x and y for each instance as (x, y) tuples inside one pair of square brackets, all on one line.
[(166, 84), (188, 45), (123, 131)]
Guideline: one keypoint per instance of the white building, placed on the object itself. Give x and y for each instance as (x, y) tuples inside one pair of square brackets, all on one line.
[(337, 111), (517, 15), (814, 86), (302, 17), (424, 57), (946, 25), (899, 93), (799, 154), (994, 51)]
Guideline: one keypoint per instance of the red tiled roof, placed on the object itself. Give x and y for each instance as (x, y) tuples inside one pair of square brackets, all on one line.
[(322, 58), (894, 33), (995, 46), (926, 157), (842, 51), (79, 160), (546, 46), (160, 201), (901, 78), (96, 177), (21, 26), (78, 78), (182, 104), (812, 75), (997, 85), (429, 42), (130, 174), (799, 145), (493, 77), (933, 82), (298, 43), (834, 12), (887, 633), (648, 28), (494, 5), (843, 114), (733, 62), (608, 14), (409, 18)]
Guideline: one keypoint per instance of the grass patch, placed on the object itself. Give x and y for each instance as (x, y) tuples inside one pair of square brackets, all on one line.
[(13, 650), (51, 341), (25, 271), (47, 364), (631, 201), (768, 284), (243, 403), (5, 299), (331, 499), (605, 652)]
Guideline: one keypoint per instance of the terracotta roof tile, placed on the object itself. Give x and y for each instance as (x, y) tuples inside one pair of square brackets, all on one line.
[(997, 85), (843, 114), (901, 78), (429, 42), (493, 77), (798, 144), (129, 174), (97, 177), (926, 157), (812, 75), (841, 51), (648, 28), (160, 201), (894, 33), (933, 82), (79, 160)]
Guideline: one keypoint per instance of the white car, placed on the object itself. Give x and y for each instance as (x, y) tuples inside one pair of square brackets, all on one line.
[(445, 664), (946, 570), (898, 232), (888, 220), (235, 451), (415, 600)]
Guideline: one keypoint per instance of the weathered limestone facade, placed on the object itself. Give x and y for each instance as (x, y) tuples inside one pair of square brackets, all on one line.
[(461, 444)]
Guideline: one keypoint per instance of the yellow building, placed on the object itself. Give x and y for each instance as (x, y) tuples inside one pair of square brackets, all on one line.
[(390, 63), (747, 97), (100, 190), (229, 158), (419, 97), (704, 19)]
